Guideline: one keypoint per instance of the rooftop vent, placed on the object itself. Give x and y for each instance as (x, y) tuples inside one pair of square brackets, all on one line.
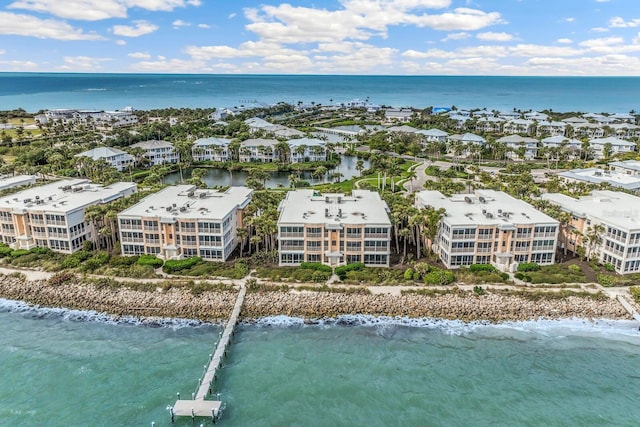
[(183, 209), (499, 211), (339, 199), (339, 213), (168, 208), (326, 212), (489, 215), (191, 193), (26, 201), (203, 195), (482, 199), (468, 199), (327, 200), (66, 188)]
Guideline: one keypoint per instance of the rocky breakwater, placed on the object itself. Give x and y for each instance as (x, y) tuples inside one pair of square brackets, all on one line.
[(121, 301), (464, 306)]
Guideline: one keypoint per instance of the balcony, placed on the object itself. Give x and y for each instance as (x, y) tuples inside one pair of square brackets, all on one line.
[(132, 240), (376, 236), (54, 222), (313, 235), (544, 235), (486, 237), (298, 235)]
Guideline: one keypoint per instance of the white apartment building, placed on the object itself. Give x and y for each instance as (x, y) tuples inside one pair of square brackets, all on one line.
[(307, 150), (515, 142), (618, 213), (211, 149), (259, 150), (183, 221), (334, 229), (115, 157), (617, 146), (433, 135), (52, 215), (158, 152), (598, 176), (627, 167), (490, 227), (16, 181)]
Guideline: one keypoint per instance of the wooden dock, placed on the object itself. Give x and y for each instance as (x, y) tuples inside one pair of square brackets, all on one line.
[(199, 406)]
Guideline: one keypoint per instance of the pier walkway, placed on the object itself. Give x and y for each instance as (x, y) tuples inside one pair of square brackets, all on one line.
[(198, 406)]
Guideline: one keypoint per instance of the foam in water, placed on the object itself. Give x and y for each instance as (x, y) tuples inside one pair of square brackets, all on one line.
[(626, 330), (12, 306)]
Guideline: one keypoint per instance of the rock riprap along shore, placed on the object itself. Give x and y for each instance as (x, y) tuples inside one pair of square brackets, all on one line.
[(216, 305)]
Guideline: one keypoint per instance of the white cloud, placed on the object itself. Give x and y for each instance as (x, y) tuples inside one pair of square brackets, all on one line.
[(619, 22), (495, 37), (204, 26), (82, 63), (359, 20), (121, 42), (140, 28), (564, 41), (140, 55), (602, 42), (2, 51), (569, 19), (171, 66), (533, 50), (16, 65), (456, 36), (94, 10), (27, 25), (180, 23), (599, 30), (232, 15)]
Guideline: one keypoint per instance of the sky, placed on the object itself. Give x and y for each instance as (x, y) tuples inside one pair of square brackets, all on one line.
[(387, 37)]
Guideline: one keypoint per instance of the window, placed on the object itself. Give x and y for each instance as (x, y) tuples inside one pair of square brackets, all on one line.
[(464, 233), (542, 258), (354, 233), (375, 245), (292, 245), (463, 246), (483, 259), (314, 257), (462, 260), (189, 252), (375, 259), (210, 254), (188, 240), (209, 240), (132, 249), (291, 258), (291, 230), (312, 245), (521, 258), (151, 225), (153, 250), (188, 227), (135, 224), (354, 258), (354, 246), (209, 227)]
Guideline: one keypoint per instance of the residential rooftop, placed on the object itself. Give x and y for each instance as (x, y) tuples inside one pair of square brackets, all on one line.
[(484, 207), (616, 208), (66, 196), (16, 181), (633, 165), (311, 207), (597, 176), (187, 201)]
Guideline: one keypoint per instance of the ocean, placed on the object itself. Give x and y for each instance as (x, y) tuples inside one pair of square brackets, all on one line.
[(70, 368), (37, 91), (73, 368)]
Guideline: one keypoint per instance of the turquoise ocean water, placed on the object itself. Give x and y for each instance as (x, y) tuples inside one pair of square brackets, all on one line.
[(68, 368), (35, 91), (62, 368)]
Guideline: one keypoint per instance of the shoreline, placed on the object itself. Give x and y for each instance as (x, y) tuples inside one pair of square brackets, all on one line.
[(215, 306)]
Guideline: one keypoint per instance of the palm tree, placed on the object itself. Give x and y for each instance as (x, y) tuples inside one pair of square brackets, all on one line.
[(593, 238), (411, 174), (360, 166)]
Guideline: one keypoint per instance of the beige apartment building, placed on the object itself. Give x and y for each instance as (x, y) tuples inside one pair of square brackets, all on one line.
[(619, 215), (490, 227), (183, 221), (334, 229), (52, 215)]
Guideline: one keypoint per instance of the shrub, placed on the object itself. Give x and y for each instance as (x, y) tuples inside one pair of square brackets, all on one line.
[(575, 268), (151, 260), (635, 293), (408, 274), (609, 267), (343, 270), (315, 266), (528, 266), (19, 252), (172, 266), (478, 290), (605, 280), (71, 262), (123, 261), (60, 279), (439, 277), (482, 267), (5, 250)]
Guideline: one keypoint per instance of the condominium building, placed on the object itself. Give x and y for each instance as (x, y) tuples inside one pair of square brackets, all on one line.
[(615, 178), (113, 156), (52, 215), (259, 150), (183, 221), (334, 229), (617, 213), (158, 152), (490, 227), (7, 182), (214, 149), (307, 150)]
